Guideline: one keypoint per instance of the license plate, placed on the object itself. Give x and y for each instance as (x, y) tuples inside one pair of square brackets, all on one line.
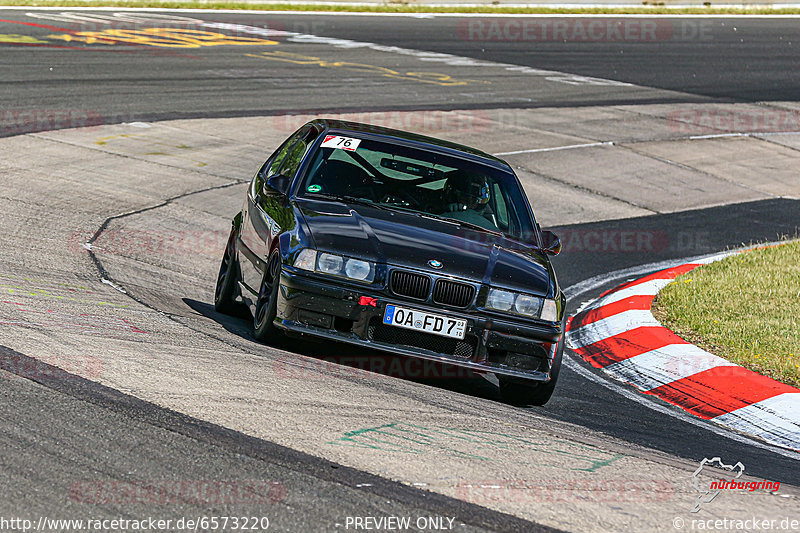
[(403, 317)]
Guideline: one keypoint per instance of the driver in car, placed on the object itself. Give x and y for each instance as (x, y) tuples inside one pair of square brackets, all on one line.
[(466, 197)]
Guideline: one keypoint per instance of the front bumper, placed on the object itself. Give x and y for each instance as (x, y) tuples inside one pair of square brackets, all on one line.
[(326, 309)]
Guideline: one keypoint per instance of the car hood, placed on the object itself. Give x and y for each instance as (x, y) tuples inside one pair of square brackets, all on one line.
[(410, 240)]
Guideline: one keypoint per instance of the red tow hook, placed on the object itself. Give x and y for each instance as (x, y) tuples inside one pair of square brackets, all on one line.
[(368, 300)]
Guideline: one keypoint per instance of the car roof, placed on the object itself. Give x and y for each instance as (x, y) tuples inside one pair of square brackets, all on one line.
[(414, 139)]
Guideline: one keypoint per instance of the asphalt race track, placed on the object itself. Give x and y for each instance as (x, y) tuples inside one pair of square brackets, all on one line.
[(680, 133), (693, 59)]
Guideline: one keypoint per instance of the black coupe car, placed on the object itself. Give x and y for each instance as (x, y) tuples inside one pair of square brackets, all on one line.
[(402, 243)]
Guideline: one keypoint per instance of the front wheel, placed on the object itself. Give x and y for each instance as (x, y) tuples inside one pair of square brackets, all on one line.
[(520, 392), (264, 328)]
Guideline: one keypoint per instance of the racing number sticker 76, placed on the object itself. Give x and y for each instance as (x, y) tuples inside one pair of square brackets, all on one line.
[(345, 143)]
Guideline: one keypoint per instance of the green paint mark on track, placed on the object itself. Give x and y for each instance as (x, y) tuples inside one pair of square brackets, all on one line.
[(399, 437)]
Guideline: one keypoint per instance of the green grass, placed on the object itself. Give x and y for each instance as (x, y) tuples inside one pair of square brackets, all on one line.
[(403, 7), (745, 308)]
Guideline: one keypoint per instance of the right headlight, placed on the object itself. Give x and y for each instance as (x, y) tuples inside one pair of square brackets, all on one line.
[(500, 300), (522, 304)]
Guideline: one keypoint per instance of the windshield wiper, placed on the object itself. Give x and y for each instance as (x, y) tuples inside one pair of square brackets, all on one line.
[(464, 224), (347, 199)]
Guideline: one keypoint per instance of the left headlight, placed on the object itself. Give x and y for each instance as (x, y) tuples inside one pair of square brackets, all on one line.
[(522, 304), (335, 265)]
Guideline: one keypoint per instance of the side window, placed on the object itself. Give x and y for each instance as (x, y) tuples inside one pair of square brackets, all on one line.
[(292, 160), (501, 210), (279, 156)]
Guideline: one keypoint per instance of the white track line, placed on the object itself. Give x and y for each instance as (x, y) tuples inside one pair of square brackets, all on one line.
[(761, 418), (445, 14), (741, 134), (422, 55), (556, 148)]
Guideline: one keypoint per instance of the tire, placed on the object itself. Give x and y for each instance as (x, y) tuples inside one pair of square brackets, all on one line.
[(524, 392), (264, 329), (225, 291)]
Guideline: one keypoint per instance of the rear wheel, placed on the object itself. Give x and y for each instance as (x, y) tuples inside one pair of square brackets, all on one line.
[(267, 304), (523, 392), (225, 292)]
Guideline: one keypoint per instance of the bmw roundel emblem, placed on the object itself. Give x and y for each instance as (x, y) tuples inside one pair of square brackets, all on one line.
[(433, 263)]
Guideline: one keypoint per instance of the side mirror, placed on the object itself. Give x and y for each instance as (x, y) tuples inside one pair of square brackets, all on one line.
[(551, 244), (279, 183)]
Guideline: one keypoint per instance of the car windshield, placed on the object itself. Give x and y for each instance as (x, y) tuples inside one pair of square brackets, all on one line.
[(410, 179)]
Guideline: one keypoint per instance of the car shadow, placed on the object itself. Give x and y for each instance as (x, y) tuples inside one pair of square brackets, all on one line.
[(342, 360)]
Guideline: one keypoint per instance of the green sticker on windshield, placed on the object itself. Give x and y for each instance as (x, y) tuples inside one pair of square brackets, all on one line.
[(314, 188)]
